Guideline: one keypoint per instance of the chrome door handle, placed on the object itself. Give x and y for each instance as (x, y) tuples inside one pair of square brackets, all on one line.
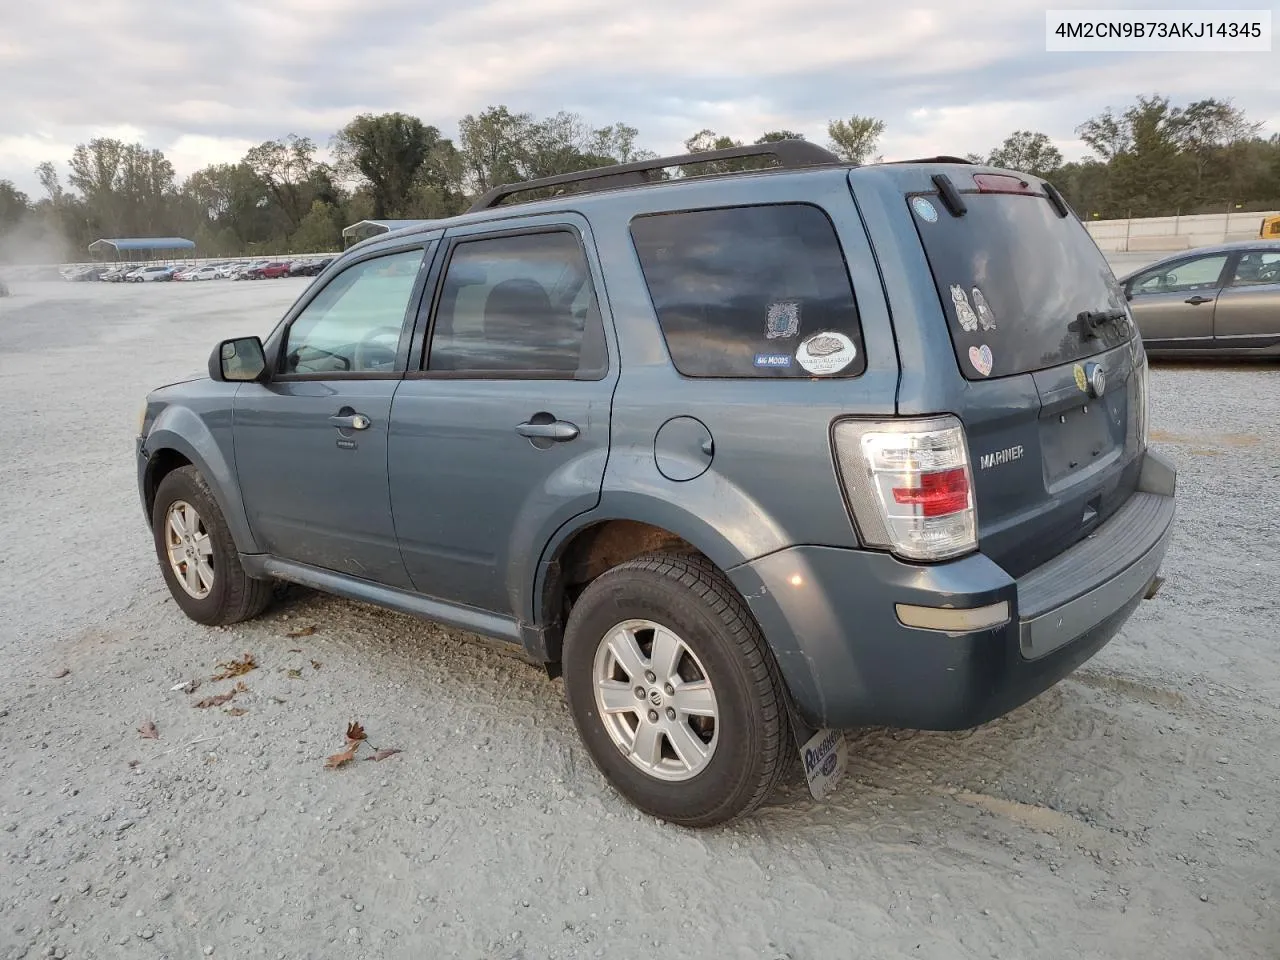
[(558, 430), (357, 421), (1197, 300)]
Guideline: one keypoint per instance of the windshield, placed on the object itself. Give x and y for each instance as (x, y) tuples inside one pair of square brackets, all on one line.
[(1014, 278)]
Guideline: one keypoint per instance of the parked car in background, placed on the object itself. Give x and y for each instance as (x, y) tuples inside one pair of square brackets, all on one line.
[(771, 487), (228, 270), (208, 272), (151, 274), (309, 268), (251, 271), (84, 273), (117, 273), (1219, 301), (276, 269)]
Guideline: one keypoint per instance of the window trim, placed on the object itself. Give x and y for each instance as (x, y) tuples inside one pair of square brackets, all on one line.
[(1228, 264), (281, 338), (746, 378), (418, 367)]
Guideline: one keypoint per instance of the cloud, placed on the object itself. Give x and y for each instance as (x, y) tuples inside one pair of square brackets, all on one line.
[(205, 81)]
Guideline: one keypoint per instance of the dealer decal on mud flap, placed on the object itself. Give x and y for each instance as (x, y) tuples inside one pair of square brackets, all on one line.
[(825, 756)]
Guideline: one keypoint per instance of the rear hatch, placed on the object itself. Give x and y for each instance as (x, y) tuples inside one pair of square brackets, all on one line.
[(1055, 402)]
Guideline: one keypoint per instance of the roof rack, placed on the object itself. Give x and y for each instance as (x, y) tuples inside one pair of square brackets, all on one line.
[(790, 153)]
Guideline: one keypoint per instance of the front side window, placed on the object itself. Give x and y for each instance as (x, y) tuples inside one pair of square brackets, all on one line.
[(1185, 277), (757, 291), (353, 325), (521, 304), (1256, 267)]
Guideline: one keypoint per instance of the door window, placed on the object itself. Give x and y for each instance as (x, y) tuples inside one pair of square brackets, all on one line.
[(353, 325), (519, 305), (1186, 277), (1257, 267)]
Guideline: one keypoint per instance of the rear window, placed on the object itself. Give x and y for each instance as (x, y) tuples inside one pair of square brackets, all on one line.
[(1014, 277), (759, 291)]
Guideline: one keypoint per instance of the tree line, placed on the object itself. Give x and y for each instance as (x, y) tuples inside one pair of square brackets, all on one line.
[(1152, 158)]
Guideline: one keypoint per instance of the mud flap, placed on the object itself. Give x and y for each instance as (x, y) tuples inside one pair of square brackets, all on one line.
[(824, 754)]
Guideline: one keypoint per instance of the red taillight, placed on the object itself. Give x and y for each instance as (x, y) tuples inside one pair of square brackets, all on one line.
[(939, 494), (1002, 183)]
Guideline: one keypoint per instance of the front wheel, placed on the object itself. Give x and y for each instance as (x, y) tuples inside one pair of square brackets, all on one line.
[(674, 690), (198, 558)]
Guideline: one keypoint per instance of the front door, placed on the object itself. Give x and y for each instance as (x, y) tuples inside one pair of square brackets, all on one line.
[(311, 444), (1174, 304), (1248, 311), (504, 435)]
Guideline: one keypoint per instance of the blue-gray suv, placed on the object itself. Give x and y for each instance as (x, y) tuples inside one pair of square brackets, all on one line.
[(750, 457)]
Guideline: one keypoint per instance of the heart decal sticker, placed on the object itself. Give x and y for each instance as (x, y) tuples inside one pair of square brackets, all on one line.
[(981, 359)]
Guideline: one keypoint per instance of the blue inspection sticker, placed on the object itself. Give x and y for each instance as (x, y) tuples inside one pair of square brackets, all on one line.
[(773, 359)]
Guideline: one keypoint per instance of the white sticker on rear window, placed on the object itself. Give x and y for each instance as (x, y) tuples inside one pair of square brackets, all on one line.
[(826, 353), (964, 312), (924, 209), (985, 317), (782, 320), (981, 359)]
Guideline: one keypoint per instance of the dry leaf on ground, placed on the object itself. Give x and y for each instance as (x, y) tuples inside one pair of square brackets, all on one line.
[(339, 759), (237, 712), (355, 732), (221, 698), (235, 668), (384, 753), (149, 731), (316, 664), (186, 686), (295, 649), (293, 674), (301, 632)]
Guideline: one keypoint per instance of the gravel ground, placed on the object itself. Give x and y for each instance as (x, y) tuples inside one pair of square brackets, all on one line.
[(1130, 811)]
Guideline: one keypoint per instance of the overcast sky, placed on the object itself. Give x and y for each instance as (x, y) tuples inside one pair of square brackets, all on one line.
[(205, 81)]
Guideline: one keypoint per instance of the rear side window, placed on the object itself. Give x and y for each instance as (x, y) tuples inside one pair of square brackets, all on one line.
[(1014, 279), (758, 291), (519, 305)]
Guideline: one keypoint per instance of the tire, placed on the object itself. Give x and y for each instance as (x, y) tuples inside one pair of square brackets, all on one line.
[(231, 596), (750, 743)]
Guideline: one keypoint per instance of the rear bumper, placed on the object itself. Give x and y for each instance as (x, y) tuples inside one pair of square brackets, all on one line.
[(830, 616)]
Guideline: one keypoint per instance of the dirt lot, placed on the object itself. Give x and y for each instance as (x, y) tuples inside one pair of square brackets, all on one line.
[(1129, 812)]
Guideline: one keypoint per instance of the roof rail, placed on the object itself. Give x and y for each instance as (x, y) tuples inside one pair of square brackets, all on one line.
[(790, 153)]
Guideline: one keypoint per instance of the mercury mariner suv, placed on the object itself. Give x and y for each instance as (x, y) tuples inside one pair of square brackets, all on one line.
[(749, 458)]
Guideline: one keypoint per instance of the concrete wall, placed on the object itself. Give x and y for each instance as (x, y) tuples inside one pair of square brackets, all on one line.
[(1163, 234)]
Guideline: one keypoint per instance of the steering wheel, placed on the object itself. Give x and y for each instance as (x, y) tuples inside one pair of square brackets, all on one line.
[(365, 351)]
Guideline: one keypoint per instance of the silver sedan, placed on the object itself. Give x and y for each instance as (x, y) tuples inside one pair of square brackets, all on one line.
[(1219, 301)]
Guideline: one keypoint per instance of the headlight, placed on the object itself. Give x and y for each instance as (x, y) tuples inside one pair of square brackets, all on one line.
[(142, 418)]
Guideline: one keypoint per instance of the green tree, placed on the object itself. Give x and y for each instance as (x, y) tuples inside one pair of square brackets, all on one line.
[(854, 140), (319, 231), (388, 152), (1027, 152), (14, 206), (287, 167)]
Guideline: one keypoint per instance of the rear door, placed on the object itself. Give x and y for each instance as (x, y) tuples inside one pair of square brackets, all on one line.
[(1174, 303), (503, 435), (1054, 376), (1248, 310)]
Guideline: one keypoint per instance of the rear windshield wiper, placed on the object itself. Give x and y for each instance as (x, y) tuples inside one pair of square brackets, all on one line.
[(1088, 322)]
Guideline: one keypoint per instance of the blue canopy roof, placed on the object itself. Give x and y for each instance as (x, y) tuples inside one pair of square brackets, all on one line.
[(144, 243)]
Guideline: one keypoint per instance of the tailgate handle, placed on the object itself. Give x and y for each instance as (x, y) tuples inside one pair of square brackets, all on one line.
[(1197, 300)]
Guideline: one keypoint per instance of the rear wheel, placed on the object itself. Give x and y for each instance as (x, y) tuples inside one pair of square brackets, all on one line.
[(198, 558), (674, 691)]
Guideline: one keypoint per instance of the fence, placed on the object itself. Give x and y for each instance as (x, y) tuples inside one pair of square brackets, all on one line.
[(1157, 234)]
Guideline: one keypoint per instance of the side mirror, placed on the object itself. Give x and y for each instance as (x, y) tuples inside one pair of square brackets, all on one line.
[(241, 360)]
